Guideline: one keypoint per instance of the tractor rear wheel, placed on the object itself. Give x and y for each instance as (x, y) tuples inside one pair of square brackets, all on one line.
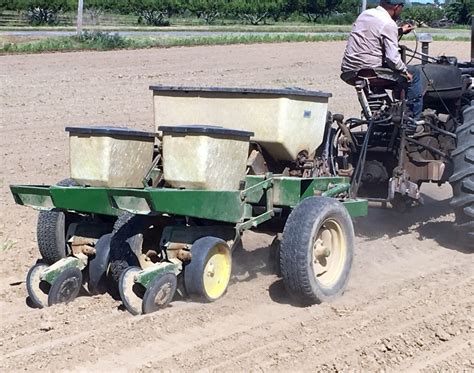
[(317, 250), (462, 180)]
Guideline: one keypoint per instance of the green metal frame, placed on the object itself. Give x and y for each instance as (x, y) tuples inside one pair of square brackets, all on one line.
[(237, 207), (52, 272)]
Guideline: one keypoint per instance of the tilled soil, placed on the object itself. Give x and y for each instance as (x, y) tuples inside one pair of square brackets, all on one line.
[(410, 300)]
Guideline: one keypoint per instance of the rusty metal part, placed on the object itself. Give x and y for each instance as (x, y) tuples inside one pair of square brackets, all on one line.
[(346, 171), (256, 163), (184, 255), (82, 245)]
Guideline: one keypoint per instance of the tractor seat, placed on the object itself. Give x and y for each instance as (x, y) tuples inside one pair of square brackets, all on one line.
[(380, 78)]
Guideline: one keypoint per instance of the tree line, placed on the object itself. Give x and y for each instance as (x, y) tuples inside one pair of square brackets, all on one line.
[(159, 12)]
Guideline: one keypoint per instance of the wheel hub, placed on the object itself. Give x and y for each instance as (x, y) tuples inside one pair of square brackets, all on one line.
[(328, 253), (163, 295), (320, 250)]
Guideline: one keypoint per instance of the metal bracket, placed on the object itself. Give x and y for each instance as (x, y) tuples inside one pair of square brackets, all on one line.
[(267, 186), (146, 276), (52, 272), (263, 185)]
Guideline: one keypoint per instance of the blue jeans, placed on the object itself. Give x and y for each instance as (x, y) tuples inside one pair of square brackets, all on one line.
[(414, 93)]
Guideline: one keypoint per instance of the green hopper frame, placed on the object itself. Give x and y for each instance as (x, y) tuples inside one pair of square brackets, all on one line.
[(268, 191)]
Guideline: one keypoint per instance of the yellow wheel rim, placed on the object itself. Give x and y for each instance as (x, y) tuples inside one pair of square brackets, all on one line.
[(216, 274), (329, 253)]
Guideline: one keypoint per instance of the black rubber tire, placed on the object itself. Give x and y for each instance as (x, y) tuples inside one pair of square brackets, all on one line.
[(51, 231), (65, 288), (462, 180), (194, 270), (166, 283), (37, 290), (296, 251), (98, 265), (124, 236), (131, 293)]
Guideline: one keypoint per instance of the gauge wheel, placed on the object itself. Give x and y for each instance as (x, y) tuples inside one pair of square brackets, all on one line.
[(207, 275), (131, 292), (316, 251), (159, 293), (37, 289), (65, 288), (51, 230)]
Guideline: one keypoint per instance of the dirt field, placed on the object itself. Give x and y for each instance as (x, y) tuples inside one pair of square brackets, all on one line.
[(409, 304)]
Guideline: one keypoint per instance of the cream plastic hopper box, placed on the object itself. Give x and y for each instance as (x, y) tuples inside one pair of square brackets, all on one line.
[(110, 156), (285, 121)]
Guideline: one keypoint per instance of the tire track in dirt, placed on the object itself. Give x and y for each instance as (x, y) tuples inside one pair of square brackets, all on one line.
[(286, 346), (207, 334)]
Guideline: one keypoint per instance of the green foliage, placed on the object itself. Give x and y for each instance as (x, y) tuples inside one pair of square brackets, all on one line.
[(155, 12), (102, 40), (41, 12), (423, 15), (208, 10), (351, 7), (105, 41), (460, 11), (255, 12), (315, 9)]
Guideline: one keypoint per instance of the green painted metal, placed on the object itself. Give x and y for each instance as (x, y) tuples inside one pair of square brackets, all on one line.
[(255, 187), (37, 197), (319, 185), (357, 207), (146, 276), (336, 189), (214, 205), (52, 272), (224, 206), (254, 222), (286, 191), (83, 199)]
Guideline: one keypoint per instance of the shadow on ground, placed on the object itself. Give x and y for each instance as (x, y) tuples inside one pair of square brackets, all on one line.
[(433, 220)]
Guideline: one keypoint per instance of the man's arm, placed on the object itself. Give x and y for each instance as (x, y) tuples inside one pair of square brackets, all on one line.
[(390, 42)]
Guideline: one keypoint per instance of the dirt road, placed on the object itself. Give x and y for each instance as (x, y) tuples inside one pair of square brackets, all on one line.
[(409, 304)]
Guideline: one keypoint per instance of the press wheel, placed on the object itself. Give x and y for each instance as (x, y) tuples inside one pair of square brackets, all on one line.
[(65, 288), (159, 293), (37, 289), (131, 292)]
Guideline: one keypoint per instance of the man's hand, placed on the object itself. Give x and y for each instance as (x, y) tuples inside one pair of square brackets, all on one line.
[(409, 77), (407, 28)]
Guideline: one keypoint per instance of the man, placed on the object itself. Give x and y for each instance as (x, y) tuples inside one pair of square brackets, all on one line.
[(373, 43)]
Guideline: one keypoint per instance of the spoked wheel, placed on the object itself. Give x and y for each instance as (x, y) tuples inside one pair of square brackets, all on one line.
[(208, 273), (65, 288), (159, 293), (317, 250), (37, 290), (131, 293)]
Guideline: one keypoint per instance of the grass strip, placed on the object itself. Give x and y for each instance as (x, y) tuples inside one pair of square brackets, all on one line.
[(105, 41)]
